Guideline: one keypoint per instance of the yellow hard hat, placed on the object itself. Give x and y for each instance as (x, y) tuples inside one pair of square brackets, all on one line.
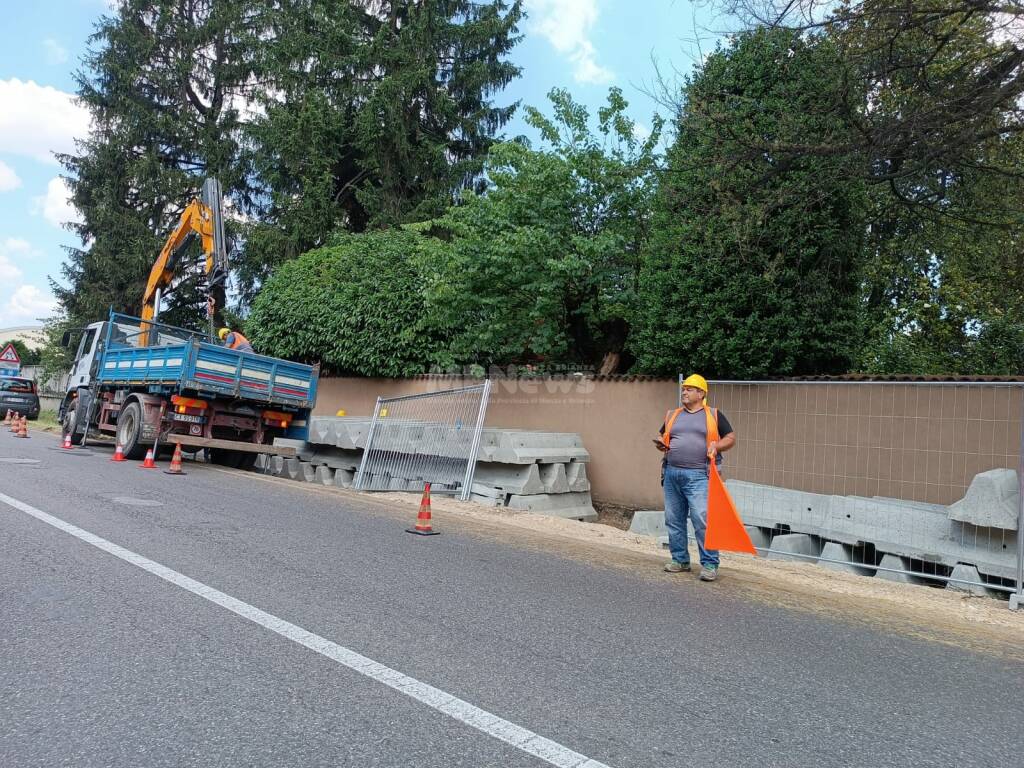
[(698, 381), (222, 333)]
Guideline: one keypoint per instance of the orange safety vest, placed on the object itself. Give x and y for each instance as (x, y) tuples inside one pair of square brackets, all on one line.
[(712, 420), (238, 341)]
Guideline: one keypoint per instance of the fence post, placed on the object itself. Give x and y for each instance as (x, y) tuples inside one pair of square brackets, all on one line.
[(1017, 598), (358, 484), (474, 450)]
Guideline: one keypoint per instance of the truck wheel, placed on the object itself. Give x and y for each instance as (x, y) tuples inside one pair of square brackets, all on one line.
[(129, 431), (69, 426)]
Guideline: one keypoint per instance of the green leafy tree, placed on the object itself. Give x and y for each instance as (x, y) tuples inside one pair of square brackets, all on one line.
[(375, 115), (55, 359), (356, 306), (925, 83), (945, 292), (543, 267), (754, 261)]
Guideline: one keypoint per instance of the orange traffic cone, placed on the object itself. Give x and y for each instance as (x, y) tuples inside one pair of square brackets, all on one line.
[(12, 421), (22, 427), (7, 418), (423, 518), (175, 468), (118, 453), (148, 463), (67, 442), (725, 529)]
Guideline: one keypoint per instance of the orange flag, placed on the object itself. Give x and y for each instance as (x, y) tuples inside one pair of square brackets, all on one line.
[(725, 529)]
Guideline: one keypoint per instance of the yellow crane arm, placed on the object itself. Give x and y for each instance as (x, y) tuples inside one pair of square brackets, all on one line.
[(203, 219), (196, 219)]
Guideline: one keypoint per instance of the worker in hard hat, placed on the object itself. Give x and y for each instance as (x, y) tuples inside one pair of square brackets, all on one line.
[(234, 340), (691, 438)]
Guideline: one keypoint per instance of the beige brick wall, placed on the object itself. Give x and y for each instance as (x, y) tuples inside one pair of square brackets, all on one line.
[(920, 442)]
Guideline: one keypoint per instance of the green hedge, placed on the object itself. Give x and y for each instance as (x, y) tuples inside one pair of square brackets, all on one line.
[(356, 307)]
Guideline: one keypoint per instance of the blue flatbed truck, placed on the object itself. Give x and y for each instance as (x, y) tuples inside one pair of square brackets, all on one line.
[(140, 380)]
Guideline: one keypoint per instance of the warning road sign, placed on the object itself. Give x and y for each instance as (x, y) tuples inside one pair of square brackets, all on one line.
[(10, 355)]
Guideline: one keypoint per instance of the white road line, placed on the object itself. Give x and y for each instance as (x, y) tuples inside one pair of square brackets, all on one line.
[(525, 740)]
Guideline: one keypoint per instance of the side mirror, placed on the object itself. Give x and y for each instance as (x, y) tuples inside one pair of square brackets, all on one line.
[(65, 339)]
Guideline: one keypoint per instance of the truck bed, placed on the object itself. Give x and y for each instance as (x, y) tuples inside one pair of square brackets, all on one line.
[(204, 368)]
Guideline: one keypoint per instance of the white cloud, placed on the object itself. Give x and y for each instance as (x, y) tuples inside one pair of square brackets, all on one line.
[(55, 206), (55, 52), (24, 302), (8, 178), (566, 24), (10, 249), (37, 120), (29, 303)]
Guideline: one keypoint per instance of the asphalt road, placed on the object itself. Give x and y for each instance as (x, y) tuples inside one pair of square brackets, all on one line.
[(235, 621)]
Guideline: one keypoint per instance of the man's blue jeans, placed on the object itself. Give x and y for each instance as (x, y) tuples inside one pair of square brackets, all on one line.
[(686, 495)]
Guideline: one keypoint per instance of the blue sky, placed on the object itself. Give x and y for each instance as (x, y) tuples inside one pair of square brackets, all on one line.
[(585, 46)]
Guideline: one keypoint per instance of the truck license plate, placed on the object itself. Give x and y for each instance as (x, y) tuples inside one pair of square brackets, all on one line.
[(188, 419)]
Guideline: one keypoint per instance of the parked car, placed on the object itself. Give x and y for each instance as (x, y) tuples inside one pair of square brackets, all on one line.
[(19, 395)]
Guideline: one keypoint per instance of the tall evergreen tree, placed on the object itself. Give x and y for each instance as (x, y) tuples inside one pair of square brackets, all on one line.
[(753, 263), (164, 82), (376, 113)]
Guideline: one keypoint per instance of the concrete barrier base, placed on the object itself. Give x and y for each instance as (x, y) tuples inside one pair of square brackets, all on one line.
[(788, 546), (840, 557), (968, 573), (648, 522), (759, 537), (897, 563)]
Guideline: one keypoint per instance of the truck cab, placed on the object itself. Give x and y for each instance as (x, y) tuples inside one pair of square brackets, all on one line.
[(81, 372)]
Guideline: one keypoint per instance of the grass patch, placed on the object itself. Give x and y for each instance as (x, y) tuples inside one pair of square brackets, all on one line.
[(47, 422)]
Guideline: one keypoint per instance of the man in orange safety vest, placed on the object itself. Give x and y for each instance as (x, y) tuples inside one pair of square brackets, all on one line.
[(691, 438), (234, 340)]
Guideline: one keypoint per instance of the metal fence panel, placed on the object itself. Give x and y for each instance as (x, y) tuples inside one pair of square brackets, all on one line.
[(921, 481), (429, 438)]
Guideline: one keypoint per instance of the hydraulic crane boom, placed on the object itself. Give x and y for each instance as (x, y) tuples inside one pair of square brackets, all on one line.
[(202, 218)]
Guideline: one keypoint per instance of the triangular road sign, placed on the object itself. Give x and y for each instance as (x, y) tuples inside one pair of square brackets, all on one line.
[(10, 355)]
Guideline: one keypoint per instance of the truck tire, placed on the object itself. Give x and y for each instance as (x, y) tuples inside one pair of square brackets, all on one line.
[(129, 431), (69, 425)]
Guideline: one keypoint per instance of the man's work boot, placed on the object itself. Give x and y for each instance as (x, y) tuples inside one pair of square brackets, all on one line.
[(709, 573), (676, 567)]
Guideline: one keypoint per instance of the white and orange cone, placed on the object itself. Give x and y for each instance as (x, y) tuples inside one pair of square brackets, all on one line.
[(423, 527), (148, 462), (119, 453), (175, 468)]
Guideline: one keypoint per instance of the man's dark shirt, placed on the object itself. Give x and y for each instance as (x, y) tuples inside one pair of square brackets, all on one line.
[(688, 448)]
